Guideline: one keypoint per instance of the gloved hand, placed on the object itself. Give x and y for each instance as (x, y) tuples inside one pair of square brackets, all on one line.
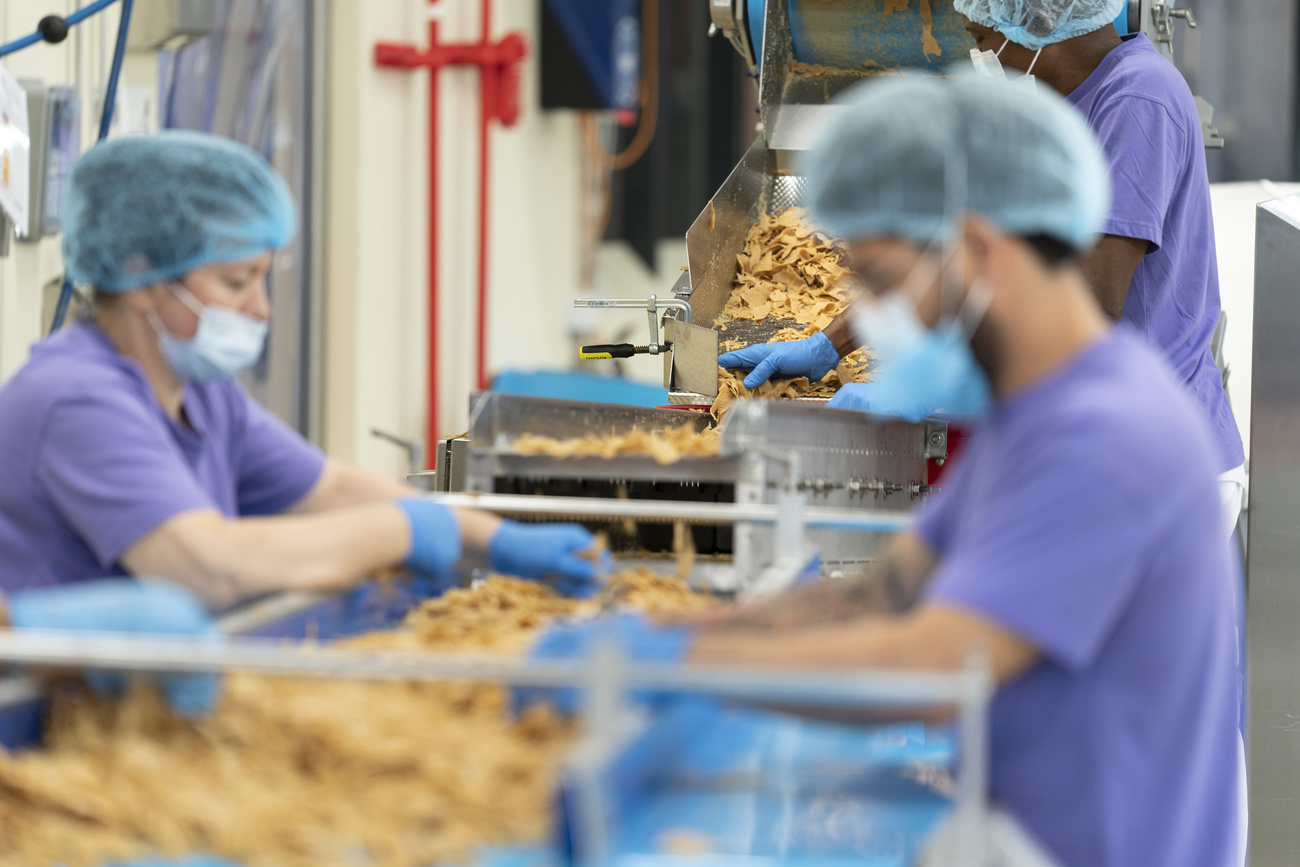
[(548, 552), (881, 398), (125, 605), (435, 537), (813, 357), (638, 639)]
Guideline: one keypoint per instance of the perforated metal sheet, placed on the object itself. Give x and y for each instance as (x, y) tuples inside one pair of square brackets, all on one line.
[(787, 191)]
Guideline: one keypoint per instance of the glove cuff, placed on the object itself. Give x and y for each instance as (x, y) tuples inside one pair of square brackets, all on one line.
[(824, 352), (435, 535), (499, 549)]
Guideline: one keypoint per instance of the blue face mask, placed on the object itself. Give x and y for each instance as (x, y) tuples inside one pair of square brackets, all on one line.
[(932, 369), (227, 341)]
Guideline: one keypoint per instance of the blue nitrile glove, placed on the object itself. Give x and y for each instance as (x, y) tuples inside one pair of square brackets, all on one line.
[(638, 639), (879, 397), (435, 537), (125, 605), (813, 357), (548, 552)]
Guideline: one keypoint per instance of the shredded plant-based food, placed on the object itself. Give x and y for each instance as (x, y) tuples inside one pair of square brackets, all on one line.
[(789, 271), (666, 447), (297, 772)]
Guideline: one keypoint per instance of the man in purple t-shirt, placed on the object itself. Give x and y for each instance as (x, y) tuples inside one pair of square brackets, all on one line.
[(1077, 545), (1155, 266)]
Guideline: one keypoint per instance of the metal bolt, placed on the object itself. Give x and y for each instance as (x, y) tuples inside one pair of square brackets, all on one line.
[(936, 438)]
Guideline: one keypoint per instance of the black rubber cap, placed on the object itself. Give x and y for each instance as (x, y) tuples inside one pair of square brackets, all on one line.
[(53, 29)]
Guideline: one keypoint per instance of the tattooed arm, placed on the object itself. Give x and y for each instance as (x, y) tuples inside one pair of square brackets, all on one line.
[(892, 585)]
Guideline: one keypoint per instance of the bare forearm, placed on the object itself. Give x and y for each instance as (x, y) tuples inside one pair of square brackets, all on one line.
[(225, 560), (841, 334), (342, 485), (1109, 269), (863, 642), (930, 638), (892, 585)]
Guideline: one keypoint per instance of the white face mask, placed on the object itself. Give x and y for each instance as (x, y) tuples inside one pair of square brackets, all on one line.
[(225, 343), (988, 64)]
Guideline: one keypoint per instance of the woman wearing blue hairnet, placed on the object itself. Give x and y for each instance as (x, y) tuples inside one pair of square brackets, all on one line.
[(1075, 543), (1154, 267), (127, 447)]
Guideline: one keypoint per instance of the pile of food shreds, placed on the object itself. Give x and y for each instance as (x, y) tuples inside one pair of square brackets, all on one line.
[(298, 772), (792, 273), (789, 270)]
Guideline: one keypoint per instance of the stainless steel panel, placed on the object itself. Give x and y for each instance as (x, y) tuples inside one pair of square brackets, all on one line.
[(840, 459), (838, 456), (717, 236), (499, 419), (694, 357), (1273, 582)]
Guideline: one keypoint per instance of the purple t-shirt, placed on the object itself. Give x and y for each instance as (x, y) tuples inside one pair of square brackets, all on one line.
[(1084, 518), (90, 463), (1145, 116)]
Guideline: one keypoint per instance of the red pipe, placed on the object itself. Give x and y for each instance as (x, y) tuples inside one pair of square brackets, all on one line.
[(487, 94), (431, 440), (499, 100)]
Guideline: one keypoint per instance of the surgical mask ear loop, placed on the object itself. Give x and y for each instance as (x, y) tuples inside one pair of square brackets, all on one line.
[(1034, 62), (1005, 43), (1029, 73), (187, 297), (974, 307)]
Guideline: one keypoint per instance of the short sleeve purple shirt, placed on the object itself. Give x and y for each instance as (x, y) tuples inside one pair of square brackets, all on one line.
[(1145, 116), (1084, 518), (90, 463)]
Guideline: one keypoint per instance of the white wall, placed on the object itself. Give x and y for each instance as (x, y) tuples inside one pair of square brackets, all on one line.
[(376, 261)]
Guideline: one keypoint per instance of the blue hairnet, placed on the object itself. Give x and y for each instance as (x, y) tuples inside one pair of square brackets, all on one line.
[(908, 154), (146, 209), (1038, 23)]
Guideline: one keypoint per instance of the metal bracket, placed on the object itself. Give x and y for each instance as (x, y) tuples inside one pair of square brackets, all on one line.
[(936, 440)]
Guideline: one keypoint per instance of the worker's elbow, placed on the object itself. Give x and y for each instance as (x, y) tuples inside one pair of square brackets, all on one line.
[(197, 551)]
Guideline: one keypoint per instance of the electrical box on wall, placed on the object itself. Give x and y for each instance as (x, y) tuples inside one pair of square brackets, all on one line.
[(170, 24), (591, 54), (54, 118)]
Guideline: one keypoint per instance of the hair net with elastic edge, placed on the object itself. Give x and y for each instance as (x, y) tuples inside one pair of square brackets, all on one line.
[(150, 208), (883, 164), (1036, 24)]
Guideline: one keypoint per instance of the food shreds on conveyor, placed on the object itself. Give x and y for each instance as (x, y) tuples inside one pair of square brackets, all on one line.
[(298, 772), (666, 447)]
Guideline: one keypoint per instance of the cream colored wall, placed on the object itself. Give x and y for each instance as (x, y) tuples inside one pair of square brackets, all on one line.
[(78, 61), (376, 259)]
